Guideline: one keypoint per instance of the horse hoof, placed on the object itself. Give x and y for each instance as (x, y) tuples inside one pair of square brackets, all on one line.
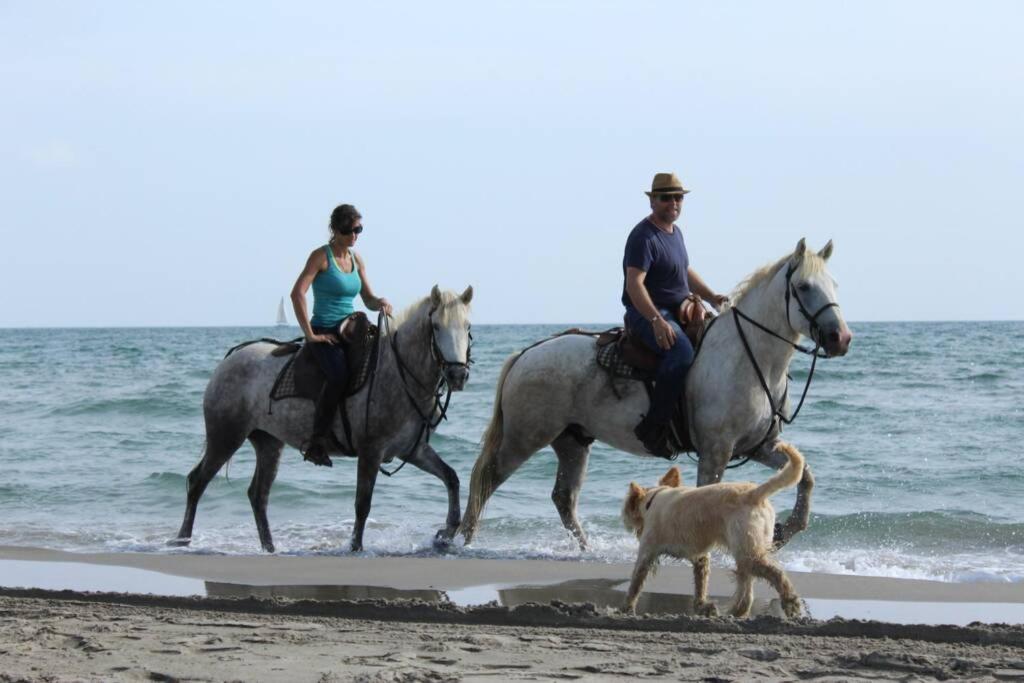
[(269, 547), (443, 539), (180, 542)]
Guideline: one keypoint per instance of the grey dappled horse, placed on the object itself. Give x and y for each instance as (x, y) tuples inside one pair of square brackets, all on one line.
[(432, 341), (555, 394)]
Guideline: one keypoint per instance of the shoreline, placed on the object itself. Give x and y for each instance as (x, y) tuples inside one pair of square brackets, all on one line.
[(450, 581), (446, 619), (452, 573)]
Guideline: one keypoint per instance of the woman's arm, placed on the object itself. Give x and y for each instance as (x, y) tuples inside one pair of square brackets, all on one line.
[(316, 263), (372, 301)]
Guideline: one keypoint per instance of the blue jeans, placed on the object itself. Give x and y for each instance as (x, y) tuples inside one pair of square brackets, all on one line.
[(675, 363)]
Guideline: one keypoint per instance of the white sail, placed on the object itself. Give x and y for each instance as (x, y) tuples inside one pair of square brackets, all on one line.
[(281, 319)]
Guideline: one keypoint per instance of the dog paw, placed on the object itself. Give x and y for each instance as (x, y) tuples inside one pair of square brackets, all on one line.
[(792, 607), (705, 609)]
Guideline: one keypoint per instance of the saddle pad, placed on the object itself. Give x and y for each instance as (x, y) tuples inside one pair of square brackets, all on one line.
[(610, 358), (301, 376)]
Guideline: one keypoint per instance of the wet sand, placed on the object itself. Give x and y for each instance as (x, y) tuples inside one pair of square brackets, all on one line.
[(445, 618)]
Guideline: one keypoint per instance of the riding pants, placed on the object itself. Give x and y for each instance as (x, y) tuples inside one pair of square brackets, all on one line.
[(669, 381), (332, 361)]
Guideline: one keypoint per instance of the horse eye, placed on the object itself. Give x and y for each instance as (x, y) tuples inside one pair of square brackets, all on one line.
[(804, 287)]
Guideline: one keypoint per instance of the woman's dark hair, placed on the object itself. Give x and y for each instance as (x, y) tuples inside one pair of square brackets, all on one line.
[(343, 218)]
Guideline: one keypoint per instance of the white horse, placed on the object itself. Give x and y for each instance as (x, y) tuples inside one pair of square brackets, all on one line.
[(428, 343), (555, 394)]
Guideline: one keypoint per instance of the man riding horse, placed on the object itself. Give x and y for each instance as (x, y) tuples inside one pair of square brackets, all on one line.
[(737, 395), (657, 285)]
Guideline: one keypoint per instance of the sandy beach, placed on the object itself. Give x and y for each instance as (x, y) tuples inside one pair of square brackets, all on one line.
[(215, 617)]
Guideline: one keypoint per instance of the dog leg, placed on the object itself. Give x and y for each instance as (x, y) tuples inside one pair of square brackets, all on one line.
[(744, 596), (771, 572), (701, 606), (644, 562)]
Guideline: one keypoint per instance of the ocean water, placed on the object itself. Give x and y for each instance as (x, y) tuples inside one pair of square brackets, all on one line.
[(916, 439)]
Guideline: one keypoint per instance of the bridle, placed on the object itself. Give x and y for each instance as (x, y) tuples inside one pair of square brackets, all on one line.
[(438, 356), (440, 388), (778, 417), (812, 320)]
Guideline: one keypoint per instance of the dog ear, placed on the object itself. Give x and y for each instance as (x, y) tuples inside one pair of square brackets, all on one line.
[(636, 492), (672, 478), (631, 515)]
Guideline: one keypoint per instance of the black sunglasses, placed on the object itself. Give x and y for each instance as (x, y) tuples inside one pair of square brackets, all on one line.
[(669, 197), (356, 230)]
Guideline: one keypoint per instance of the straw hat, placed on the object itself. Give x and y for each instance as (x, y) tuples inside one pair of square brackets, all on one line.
[(666, 183)]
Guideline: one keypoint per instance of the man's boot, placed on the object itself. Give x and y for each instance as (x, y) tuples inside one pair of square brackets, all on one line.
[(323, 419), (654, 437)]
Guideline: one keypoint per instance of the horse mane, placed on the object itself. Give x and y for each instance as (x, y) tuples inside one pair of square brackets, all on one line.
[(446, 309), (809, 265)]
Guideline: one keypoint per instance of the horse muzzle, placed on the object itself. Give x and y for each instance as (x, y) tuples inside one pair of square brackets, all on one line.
[(456, 376), (836, 341)]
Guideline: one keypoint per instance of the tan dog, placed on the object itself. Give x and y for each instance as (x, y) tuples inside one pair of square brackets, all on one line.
[(687, 522)]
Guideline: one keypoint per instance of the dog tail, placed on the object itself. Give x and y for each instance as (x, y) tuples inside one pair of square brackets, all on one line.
[(632, 514), (787, 477)]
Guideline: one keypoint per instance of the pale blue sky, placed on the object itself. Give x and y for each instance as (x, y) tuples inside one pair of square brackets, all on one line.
[(174, 164)]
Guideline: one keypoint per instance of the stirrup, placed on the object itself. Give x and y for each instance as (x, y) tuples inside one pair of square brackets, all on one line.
[(316, 453), (655, 441)]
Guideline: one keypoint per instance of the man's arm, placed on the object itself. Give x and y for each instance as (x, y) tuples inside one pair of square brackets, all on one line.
[(663, 332), (701, 289)]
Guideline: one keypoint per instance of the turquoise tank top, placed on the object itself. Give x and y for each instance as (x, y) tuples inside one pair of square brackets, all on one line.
[(334, 291)]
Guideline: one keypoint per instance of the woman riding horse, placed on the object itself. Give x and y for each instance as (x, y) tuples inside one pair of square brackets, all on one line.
[(337, 275)]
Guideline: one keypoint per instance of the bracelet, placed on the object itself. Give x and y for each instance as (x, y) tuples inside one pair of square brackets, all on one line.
[(656, 318)]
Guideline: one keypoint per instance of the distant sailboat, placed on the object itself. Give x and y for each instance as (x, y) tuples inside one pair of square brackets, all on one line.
[(281, 319)]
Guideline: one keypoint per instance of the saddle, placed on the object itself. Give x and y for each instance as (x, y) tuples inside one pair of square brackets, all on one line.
[(624, 355), (301, 376)]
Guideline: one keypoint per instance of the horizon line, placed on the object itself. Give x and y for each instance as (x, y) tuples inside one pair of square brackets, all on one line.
[(504, 324)]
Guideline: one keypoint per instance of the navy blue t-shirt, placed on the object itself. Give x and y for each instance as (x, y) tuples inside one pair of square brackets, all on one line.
[(663, 257)]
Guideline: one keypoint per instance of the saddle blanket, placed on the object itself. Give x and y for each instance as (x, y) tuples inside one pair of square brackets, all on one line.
[(301, 376)]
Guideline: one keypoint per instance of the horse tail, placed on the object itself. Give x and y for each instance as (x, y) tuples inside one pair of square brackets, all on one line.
[(482, 479), (789, 476)]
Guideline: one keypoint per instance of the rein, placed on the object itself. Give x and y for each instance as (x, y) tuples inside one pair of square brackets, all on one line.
[(441, 388), (777, 415)]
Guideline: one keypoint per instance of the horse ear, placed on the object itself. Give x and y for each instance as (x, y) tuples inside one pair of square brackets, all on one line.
[(826, 251), (798, 253), (467, 296), (435, 296)]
